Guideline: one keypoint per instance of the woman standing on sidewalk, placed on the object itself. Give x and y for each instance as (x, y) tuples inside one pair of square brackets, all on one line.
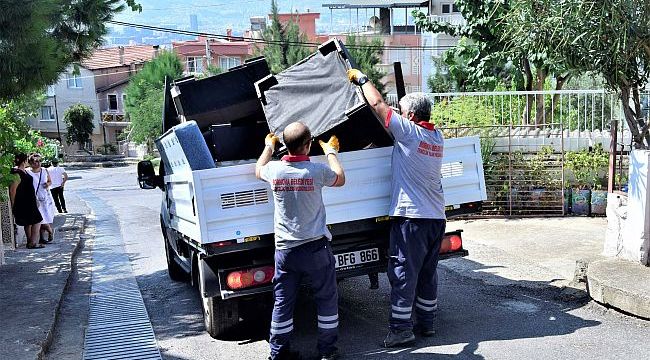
[(23, 202), (42, 181)]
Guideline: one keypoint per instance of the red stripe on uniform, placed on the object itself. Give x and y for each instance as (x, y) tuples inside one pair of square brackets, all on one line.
[(335, 181), (295, 158)]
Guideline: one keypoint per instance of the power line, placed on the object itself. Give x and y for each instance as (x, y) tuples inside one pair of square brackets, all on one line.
[(268, 42)]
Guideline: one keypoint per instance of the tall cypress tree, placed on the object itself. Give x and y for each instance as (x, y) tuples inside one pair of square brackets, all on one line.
[(284, 48)]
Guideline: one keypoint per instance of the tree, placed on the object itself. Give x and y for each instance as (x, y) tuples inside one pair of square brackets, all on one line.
[(608, 37), (367, 54), (40, 39), (13, 130), (493, 57), (283, 46), (144, 97), (79, 122)]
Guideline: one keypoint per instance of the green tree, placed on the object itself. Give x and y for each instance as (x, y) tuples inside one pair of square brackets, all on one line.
[(495, 58), (14, 130), (144, 97), (79, 122), (607, 37), (40, 39), (367, 53), (283, 47)]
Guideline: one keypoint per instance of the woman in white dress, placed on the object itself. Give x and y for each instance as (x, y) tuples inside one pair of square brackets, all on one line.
[(44, 198)]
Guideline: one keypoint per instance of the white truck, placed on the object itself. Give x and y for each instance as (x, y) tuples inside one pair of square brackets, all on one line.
[(217, 221)]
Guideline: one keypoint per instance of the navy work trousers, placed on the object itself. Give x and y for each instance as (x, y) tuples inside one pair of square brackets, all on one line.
[(413, 258), (315, 261)]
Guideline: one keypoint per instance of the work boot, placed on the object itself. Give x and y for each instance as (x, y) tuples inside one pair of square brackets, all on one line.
[(398, 337), (334, 354), (424, 331)]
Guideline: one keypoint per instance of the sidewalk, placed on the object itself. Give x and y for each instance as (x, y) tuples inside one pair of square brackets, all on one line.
[(561, 252), (32, 285)]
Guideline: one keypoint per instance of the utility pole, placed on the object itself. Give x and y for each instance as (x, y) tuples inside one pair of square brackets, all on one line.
[(56, 115), (208, 55)]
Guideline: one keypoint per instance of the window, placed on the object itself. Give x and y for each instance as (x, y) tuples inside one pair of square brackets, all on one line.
[(123, 101), (74, 81), (450, 8), (227, 62), (194, 64), (112, 102), (47, 113)]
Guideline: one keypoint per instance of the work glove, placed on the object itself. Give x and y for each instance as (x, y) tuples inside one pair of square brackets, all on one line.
[(271, 141), (357, 77), (330, 147)]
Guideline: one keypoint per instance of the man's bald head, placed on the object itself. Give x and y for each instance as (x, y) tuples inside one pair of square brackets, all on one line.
[(296, 135)]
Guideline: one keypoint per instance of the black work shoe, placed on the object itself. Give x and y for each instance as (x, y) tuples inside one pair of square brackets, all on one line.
[(424, 331), (334, 354), (396, 338)]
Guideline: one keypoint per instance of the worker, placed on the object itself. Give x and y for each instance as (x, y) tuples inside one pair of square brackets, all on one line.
[(302, 240), (417, 211)]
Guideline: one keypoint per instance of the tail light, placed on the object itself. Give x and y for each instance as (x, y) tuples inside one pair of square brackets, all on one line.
[(451, 243), (220, 244), (251, 277)]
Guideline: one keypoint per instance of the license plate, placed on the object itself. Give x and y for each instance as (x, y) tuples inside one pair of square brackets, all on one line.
[(355, 258)]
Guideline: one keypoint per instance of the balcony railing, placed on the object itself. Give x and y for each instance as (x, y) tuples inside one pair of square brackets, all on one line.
[(114, 116), (454, 19)]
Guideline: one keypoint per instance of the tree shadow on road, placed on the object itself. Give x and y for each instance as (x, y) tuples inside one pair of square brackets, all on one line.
[(470, 313)]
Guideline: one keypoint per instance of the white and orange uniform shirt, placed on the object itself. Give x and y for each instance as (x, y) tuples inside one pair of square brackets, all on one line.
[(416, 187), (297, 185)]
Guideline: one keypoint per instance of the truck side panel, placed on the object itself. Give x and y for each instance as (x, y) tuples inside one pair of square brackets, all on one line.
[(232, 204)]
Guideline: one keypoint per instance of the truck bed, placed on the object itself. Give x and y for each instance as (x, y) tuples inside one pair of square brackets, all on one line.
[(229, 203)]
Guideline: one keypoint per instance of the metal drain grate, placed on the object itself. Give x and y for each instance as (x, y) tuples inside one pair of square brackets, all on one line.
[(118, 323)]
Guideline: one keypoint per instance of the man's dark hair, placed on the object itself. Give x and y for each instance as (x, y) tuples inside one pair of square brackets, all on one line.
[(296, 135)]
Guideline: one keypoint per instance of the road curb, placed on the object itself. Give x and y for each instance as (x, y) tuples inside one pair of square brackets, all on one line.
[(78, 246), (622, 285)]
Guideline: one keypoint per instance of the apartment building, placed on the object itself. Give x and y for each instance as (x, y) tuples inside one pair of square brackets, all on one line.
[(391, 21), (198, 54)]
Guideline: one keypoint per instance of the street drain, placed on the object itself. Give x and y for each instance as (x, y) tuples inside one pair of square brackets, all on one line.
[(118, 323)]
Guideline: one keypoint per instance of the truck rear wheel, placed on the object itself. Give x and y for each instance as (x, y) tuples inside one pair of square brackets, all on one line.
[(219, 315)]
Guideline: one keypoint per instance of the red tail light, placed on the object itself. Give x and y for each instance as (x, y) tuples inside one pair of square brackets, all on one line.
[(252, 277), (219, 244), (451, 243)]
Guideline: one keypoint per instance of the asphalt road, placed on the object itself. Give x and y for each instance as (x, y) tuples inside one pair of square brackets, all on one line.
[(479, 317)]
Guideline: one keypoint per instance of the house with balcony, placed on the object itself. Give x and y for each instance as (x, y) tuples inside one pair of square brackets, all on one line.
[(112, 69), (391, 21), (202, 52), (73, 87)]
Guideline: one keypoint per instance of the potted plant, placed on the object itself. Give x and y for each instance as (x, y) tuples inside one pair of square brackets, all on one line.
[(578, 163), (599, 163)]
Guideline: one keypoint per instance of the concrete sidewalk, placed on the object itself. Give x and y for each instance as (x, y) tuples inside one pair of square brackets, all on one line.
[(560, 252), (32, 285)]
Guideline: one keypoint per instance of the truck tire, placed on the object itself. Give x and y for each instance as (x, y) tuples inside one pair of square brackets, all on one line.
[(219, 315), (174, 270)]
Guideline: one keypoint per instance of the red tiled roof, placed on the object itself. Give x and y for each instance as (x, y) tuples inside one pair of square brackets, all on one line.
[(110, 57), (197, 47)]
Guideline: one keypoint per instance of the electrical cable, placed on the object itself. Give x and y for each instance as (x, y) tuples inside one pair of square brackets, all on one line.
[(268, 42)]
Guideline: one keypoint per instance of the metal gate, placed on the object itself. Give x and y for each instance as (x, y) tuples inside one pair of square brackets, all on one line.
[(525, 137)]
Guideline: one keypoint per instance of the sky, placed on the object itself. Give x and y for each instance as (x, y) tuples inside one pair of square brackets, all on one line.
[(218, 15)]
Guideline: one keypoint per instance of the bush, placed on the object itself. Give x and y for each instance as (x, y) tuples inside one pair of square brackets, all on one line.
[(107, 149)]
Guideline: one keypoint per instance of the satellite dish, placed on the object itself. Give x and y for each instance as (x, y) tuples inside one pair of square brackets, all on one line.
[(373, 22)]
